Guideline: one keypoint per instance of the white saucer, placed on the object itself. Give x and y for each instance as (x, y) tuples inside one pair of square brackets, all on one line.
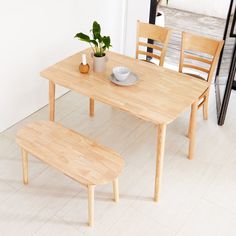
[(131, 80)]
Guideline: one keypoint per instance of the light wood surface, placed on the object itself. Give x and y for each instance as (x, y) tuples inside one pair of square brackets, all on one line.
[(73, 154), (70, 152), (159, 34), (160, 96), (206, 47), (159, 161)]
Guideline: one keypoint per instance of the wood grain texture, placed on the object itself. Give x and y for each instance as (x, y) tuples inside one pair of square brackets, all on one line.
[(71, 153), (160, 96)]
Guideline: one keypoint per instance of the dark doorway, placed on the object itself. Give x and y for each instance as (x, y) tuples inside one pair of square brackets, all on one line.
[(225, 76)]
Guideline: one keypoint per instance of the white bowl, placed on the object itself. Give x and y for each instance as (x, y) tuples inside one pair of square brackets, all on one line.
[(121, 73)]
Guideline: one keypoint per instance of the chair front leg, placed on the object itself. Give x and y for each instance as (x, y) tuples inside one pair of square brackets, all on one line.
[(206, 106)]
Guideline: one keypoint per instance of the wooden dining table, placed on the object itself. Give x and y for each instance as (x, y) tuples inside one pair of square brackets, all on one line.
[(160, 96)]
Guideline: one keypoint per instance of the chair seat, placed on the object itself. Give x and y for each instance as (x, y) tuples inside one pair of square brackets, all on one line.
[(196, 76), (148, 61)]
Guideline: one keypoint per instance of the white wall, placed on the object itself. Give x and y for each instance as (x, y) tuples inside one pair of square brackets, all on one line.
[(217, 8), (36, 34), (136, 10)]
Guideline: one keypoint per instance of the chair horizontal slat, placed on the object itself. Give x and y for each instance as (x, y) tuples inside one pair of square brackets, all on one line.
[(149, 45), (200, 43), (198, 59), (160, 35), (196, 68), (153, 32), (148, 54)]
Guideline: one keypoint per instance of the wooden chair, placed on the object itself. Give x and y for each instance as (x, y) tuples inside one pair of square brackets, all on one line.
[(159, 34), (200, 55)]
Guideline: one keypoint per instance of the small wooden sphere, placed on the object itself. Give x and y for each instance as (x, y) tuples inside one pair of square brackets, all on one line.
[(84, 69)]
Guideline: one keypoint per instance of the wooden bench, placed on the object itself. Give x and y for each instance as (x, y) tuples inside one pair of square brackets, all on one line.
[(73, 154)]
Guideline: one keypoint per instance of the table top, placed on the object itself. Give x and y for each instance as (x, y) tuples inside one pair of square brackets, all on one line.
[(70, 152), (160, 96)]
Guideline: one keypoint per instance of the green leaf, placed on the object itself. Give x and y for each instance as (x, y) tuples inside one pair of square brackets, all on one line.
[(96, 31), (94, 42), (107, 42), (98, 43), (83, 37), (167, 2)]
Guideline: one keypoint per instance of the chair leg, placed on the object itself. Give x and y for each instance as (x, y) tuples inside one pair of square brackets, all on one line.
[(188, 134), (91, 107), (189, 127), (25, 165), (91, 205), (116, 190), (205, 108)]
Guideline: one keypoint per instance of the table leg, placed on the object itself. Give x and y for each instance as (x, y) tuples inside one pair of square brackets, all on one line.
[(159, 160), (91, 204), (25, 165), (91, 107), (192, 129), (52, 100), (116, 190)]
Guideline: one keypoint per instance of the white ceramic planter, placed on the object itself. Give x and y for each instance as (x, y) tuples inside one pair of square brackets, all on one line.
[(160, 19), (99, 64)]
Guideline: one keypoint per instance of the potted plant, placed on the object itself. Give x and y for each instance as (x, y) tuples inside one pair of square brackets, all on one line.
[(160, 17), (99, 45)]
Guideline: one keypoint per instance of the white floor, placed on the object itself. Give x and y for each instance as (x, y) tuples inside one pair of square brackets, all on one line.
[(198, 197)]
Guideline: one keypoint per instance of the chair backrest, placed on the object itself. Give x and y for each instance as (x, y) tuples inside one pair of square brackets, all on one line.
[(200, 54), (160, 36)]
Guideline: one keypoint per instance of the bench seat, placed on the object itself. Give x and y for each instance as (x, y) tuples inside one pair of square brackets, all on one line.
[(71, 153)]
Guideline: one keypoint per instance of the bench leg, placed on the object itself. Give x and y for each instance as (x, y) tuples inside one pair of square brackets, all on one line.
[(25, 165), (91, 107), (52, 100), (115, 190), (91, 205)]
